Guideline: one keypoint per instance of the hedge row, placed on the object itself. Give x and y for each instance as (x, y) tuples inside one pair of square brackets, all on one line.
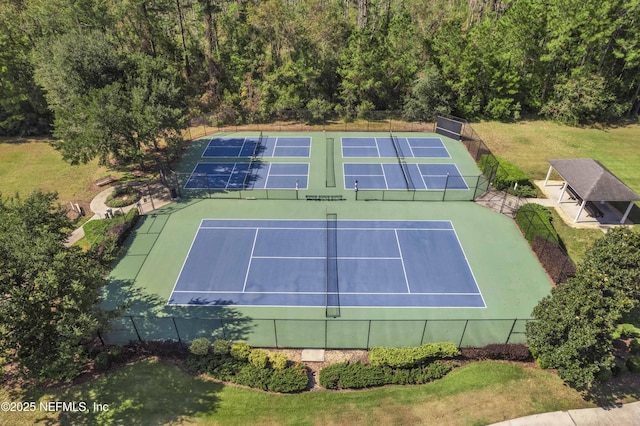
[(105, 236), (357, 375), (536, 221), (411, 356), (236, 362), (507, 176)]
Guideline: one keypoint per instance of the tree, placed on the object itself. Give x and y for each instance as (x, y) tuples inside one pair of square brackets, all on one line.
[(49, 292), (429, 97), (110, 108), (573, 326)]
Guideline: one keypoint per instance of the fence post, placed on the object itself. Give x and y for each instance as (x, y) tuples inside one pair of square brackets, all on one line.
[(463, 331), (224, 333), (511, 331), (275, 333), (368, 334), (100, 337), (176, 326), (135, 328), (424, 330)]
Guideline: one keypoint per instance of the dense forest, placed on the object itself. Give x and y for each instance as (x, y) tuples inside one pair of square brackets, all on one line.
[(123, 74)]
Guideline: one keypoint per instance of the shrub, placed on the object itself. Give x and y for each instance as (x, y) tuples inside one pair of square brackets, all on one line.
[(289, 380), (252, 376), (224, 367), (117, 353), (221, 347), (278, 360), (240, 350), (411, 356), (619, 367), (535, 220), (122, 196), (200, 346), (633, 364), (624, 331), (634, 346), (358, 375), (508, 174), (102, 362), (258, 358)]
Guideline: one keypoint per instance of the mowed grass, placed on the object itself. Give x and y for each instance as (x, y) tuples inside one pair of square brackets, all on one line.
[(30, 165), (151, 392), (529, 144)]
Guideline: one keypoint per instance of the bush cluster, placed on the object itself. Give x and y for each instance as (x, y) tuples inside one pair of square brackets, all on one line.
[(507, 175), (105, 236), (411, 356), (507, 351), (123, 196), (236, 362), (535, 221), (358, 375), (633, 364)]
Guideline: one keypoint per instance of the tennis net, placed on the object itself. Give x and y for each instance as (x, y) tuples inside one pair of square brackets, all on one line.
[(401, 162), (331, 288)]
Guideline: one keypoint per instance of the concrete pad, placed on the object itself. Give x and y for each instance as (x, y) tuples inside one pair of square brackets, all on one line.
[(628, 414), (557, 418), (313, 355)]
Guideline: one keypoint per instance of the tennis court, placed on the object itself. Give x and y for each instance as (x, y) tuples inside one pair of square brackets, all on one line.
[(289, 263), (251, 146), (403, 176), (383, 147), (253, 175)]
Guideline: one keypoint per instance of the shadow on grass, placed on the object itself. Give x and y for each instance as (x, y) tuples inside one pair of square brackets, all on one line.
[(145, 392), (615, 390)]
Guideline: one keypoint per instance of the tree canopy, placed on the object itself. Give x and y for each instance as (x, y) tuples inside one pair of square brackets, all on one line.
[(572, 61), (48, 307), (574, 325)]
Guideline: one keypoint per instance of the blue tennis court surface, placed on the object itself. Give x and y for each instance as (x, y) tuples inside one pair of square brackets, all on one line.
[(245, 147), (382, 147), (286, 263), (391, 176), (256, 175)]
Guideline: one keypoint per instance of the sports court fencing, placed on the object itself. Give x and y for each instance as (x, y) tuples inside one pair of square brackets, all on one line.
[(303, 121), (329, 333), (547, 246)]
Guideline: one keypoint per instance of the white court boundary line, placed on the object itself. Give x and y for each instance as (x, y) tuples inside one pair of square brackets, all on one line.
[(452, 228)]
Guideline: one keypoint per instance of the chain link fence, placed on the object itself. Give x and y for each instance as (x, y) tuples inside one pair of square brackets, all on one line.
[(319, 333)]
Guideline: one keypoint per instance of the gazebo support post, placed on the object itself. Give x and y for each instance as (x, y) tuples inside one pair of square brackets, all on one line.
[(564, 188), (548, 175), (584, 203), (626, 213)]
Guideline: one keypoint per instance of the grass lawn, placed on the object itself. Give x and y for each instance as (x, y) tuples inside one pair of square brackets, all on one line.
[(150, 392), (27, 165), (530, 143)]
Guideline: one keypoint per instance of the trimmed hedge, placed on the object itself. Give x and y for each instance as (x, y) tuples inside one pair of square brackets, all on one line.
[(536, 221), (411, 356), (507, 175), (237, 363), (358, 375)]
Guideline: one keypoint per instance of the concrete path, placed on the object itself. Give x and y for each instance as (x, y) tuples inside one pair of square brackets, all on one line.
[(624, 415), (153, 196)]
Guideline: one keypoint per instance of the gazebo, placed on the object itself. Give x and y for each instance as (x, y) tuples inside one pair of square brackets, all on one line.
[(589, 183)]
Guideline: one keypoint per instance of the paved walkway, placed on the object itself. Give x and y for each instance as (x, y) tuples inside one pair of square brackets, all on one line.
[(153, 196), (624, 415)]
